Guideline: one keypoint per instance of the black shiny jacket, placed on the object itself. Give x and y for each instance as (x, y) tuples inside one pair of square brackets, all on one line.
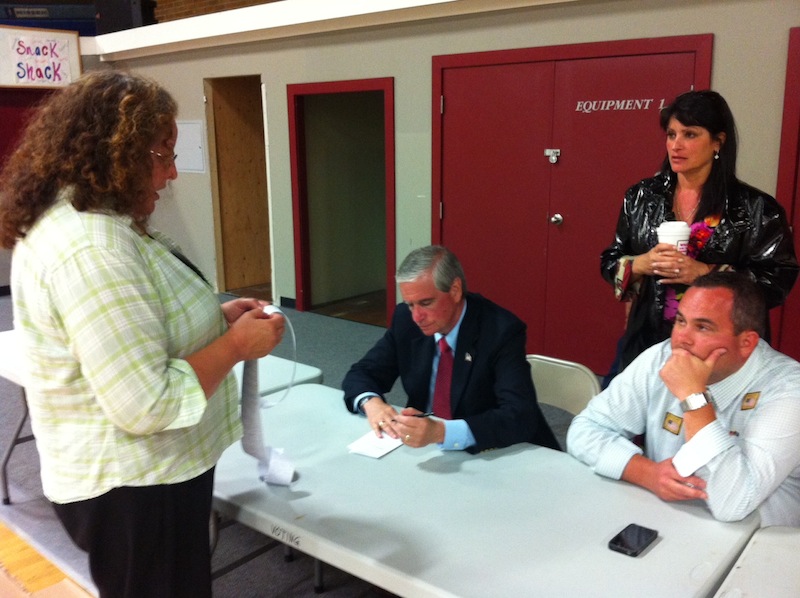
[(753, 236)]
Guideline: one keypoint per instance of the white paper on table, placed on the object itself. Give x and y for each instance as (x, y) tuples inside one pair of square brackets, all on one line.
[(273, 466), (372, 446)]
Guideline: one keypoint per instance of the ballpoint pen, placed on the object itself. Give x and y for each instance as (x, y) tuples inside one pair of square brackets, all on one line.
[(427, 414)]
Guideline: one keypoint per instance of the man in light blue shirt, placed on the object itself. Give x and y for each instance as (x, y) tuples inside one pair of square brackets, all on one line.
[(718, 407)]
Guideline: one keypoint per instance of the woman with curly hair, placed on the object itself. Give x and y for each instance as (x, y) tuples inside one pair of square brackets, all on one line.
[(733, 226), (128, 349)]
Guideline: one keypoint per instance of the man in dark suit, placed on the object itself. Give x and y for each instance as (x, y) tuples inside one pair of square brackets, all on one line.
[(492, 401)]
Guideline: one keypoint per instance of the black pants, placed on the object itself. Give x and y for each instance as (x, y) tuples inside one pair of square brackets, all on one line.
[(149, 541)]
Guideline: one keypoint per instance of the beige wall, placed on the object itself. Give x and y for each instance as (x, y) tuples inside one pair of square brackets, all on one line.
[(749, 67)]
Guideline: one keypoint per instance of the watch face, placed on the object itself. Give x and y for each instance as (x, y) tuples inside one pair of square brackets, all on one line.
[(694, 401)]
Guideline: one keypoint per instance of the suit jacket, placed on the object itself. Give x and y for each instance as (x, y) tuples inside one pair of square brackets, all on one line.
[(491, 388)]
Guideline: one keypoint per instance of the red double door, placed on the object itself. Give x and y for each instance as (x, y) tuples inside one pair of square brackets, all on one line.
[(533, 151)]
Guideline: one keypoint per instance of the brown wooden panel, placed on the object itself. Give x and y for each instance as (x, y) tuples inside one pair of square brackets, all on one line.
[(241, 181)]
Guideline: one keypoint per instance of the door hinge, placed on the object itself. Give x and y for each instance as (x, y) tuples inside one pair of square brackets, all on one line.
[(441, 104)]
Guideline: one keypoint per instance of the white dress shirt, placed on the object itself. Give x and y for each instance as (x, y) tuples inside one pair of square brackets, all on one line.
[(749, 456)]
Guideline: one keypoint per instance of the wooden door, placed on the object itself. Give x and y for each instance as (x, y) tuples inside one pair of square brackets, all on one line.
[(603, 152), (497, 195), (786, 332), (497, 119), (16, 106)]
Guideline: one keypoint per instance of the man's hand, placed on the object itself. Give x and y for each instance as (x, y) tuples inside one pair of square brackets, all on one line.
[(418, 431), (381, 417), (663, 480), (685, 373)]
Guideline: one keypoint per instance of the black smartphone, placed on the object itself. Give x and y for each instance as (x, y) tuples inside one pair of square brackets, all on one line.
[(633, 539)]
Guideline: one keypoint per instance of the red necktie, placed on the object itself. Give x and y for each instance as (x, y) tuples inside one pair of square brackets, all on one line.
[(444, 375)]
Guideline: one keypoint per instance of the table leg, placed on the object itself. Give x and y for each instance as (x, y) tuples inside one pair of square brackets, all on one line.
[(15, 440), (213, 531), (319, 583)]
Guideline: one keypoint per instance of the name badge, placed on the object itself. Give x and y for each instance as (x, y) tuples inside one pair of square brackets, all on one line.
[(750, 400), (672, 423)]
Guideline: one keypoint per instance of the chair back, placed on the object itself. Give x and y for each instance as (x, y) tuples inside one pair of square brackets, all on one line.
[(563, 384)]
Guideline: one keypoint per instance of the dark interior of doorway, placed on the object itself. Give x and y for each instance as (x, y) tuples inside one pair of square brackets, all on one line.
[(369, 308)]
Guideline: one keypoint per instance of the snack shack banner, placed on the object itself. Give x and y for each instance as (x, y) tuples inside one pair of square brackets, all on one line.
[(38, 57)]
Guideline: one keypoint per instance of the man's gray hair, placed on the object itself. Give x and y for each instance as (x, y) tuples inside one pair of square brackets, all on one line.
[(437, 259)]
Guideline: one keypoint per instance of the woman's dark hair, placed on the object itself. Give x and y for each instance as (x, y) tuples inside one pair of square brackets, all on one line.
[(709, 110), (94, 136)]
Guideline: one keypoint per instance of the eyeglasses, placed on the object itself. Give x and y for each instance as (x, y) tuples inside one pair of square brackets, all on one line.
[(166, 159)]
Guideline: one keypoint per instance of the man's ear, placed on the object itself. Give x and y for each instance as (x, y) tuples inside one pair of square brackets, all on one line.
[(748, 341), (456, 290)]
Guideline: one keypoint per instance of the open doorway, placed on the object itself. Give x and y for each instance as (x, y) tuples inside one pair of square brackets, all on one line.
[(237, 152), (342, 146)]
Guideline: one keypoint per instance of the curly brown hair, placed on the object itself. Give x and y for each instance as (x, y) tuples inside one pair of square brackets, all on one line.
[(94, 136)]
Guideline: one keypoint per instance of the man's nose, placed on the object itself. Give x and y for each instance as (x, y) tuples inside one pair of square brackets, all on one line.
[(682, 338)]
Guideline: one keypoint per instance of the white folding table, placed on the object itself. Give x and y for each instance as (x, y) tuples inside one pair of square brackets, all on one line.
[(768, 567), (276, 374), (12, 369), (519, 521)]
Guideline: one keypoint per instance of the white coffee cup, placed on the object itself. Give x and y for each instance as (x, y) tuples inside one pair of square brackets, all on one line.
[(674, 233)]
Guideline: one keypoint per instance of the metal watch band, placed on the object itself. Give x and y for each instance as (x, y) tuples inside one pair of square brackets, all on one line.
[(695, 401)]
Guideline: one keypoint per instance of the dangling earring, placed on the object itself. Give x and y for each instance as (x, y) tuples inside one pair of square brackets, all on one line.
[(716, 155)]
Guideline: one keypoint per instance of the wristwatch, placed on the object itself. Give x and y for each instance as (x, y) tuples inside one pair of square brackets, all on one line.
[(696, 400)]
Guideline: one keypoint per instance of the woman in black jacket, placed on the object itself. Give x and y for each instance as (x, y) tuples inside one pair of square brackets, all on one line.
[(733, 225)]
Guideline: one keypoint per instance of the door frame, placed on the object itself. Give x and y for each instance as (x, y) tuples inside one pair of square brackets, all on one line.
[(295, 93), (701, 45), (787, 191)]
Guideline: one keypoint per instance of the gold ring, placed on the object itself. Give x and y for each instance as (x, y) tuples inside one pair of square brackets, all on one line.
[(408, 437), (380, 424)]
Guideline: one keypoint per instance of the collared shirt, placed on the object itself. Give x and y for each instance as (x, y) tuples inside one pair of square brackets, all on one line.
[(457, 434), (749, 456), (106, 316)]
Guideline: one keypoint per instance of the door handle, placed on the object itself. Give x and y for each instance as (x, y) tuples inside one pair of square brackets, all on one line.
[(552, 154), (557, 219)]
